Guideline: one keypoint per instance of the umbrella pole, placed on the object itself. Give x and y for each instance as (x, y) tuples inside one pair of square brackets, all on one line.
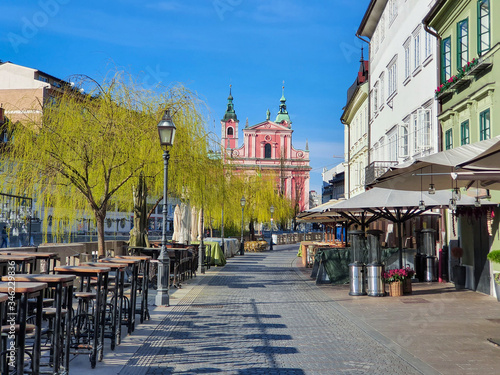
[(400, 240)]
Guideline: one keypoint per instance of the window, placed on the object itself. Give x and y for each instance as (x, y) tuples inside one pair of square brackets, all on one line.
[(445, 59), (462, 43), (414, 119), (375, 98), (428, 45), (229, 131), (43, 79), (403, 140), (393, 10), (483, 26), (449, 139), (392, 145), (424, 128), (267, 151), (407, 58), (464, 133), (484, 125), (382, 28), (392, 82), (416, 50), (381, 92)]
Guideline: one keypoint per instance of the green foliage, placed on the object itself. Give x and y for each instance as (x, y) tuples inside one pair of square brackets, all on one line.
[(81, 156), (494, 256)]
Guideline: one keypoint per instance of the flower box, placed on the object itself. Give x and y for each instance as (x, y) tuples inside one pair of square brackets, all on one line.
[(396, 289)]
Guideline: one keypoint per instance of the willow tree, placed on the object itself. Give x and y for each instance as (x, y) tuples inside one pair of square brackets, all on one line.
[(81, 156)]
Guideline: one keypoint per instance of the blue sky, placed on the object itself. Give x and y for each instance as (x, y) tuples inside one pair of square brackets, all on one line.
[(254, 45)]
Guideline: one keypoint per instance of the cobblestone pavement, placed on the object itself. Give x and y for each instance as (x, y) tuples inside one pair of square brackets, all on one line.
[(258, 315)]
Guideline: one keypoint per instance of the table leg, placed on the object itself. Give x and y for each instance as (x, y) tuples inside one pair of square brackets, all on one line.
[(119, 297), (57, 328), (145, 291), (69, 317), (38, 335), (133, 299), (104, 286), (21, 339)]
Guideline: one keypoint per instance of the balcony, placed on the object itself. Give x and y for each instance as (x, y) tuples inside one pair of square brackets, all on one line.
[(377, 169)]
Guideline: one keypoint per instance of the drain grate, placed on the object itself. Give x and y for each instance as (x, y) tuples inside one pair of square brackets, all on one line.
[(414, 300), (207, 306)]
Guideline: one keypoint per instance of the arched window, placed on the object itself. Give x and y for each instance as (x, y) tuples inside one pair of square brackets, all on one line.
[(229, 131), (267, 151)]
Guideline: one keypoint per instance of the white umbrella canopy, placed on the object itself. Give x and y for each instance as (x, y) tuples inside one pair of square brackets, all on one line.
[(448, 169), (177, 224), (379, 198), (185, 223), (194, 224), (200, 226)]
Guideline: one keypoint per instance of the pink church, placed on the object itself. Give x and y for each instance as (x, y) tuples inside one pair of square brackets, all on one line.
[(268, 146)]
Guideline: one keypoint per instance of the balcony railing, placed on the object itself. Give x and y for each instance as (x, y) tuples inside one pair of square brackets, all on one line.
[(377, 169)]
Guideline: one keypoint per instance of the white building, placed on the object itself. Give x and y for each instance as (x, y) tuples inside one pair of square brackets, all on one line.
[(403, 65)]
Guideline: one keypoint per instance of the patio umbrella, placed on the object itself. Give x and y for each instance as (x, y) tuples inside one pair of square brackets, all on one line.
[(177, 224), (194, 224), (398, 206), (185, 223)]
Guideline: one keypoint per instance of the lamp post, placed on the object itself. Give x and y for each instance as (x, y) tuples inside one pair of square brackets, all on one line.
[(272, 212), (242, 245), (166, 131)]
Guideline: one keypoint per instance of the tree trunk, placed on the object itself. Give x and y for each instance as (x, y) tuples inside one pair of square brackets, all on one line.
[(139, 233), (99, 218), (251, 229)]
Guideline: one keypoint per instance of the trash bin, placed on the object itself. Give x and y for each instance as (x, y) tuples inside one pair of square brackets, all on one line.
[(357, 279), (376, 285), (430, 269)]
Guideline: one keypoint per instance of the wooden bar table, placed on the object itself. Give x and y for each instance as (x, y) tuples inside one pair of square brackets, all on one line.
[(97, 348), (22, 261), (133, 264), (21, 292), (48, 257), (145, 263), (116, 326), (63, 285)]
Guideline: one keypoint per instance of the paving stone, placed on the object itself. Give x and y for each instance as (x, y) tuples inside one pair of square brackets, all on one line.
[(257, 315)]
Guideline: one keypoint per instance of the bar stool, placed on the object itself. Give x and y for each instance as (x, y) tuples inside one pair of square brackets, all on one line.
[(114, 318), (17, 319), (88, 329)]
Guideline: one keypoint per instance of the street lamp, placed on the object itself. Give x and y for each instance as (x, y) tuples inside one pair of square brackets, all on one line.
[(166, 131), (272, 212), (242, 245)]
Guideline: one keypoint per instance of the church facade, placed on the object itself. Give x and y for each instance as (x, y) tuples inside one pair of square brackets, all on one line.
[(268, 146)]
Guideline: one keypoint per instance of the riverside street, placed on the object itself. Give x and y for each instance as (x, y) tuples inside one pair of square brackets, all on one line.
[(262, 314)]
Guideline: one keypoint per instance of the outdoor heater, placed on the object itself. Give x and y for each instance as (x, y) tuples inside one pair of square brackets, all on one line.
[(357, 278), (166, 131), (375, 268)]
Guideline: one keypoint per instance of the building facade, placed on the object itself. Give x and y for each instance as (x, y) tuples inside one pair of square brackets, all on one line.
[(355, 120), (403, 65), (268, 146), (469, 73)]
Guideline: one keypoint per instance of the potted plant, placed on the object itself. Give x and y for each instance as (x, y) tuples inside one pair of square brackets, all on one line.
[(494, 257), (459, 269), (409, 272), (394, 278)]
